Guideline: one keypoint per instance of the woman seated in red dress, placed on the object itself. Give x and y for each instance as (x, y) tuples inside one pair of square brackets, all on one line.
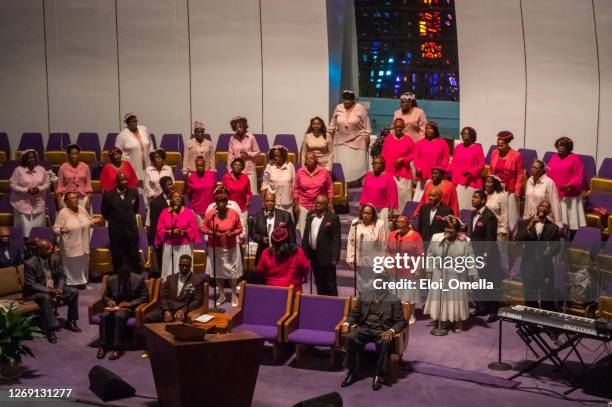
[(108, 176), (283, 263)]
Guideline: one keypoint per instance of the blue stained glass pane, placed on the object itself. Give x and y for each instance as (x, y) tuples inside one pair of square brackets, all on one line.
[(378, 86), (381, 73), (388, 73), (390, 60)]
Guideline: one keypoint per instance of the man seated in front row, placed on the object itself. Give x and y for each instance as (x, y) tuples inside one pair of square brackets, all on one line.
[(180, 294), (11, 250), (125, 291), (377, 317), (45, 283)]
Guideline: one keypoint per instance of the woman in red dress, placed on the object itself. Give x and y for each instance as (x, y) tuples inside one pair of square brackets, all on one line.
[(283, 263), (406, 240), (108, 176)]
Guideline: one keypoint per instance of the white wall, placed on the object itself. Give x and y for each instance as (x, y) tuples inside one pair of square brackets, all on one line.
[(532, 67), (23, 78), (169, 61), (81, 46)]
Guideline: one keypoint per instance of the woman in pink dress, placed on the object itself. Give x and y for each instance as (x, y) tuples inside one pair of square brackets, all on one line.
[(567, 171), (74, 176), (398, 153), (283, 263), (413, 116), (200, 187), (466, 167), (223, 261), (406, 240), (350, 129), (429, 151), (243, 144), (380, 190), (507, 165), (177, 230), (279, 177), (318, 141), (239, 189)]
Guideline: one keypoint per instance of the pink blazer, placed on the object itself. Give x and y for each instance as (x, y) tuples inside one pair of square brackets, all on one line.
[(513, 171)]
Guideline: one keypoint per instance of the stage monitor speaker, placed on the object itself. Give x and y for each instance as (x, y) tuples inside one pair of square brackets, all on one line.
[(327, 400), (595, 380), (107, 385)]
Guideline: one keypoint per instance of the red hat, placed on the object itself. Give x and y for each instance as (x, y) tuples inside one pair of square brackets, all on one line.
[(505, 135), (280, 234)]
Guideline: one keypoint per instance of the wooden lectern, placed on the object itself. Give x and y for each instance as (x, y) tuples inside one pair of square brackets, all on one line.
[(222, 371)]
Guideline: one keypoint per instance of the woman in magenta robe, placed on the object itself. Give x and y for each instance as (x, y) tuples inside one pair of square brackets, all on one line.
[(108, 176), (398, 153), (380, 190), (466, 167), (429, 152)]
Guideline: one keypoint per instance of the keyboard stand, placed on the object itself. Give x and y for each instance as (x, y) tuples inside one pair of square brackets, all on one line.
[(530, 333)]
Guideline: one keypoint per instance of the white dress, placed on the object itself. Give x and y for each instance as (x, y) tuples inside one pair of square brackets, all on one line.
[(135, 152), (365, 243), (451, 305)]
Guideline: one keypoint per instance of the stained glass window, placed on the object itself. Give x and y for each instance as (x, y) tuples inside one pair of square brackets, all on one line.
[(407, 45)]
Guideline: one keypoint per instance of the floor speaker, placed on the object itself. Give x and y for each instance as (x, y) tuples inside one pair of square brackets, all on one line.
[(327, 400), (595, 380), (107, 385)]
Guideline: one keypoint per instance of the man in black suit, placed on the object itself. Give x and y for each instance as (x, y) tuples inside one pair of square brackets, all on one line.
[(541, 243), (483, 233), (156, 206), (11, 252), (119, 208), (431, 216), (262, 226), (321, 244), (377, 317), (124, 292), (180, 293), (45, 283)]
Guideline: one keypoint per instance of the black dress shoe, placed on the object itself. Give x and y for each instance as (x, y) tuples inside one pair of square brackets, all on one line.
[(51, 337), (377, 383), (72, 326), (350, 378)]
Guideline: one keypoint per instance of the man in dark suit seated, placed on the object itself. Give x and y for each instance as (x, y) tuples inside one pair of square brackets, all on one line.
[(11, 252), (180, 294), (260, 230), (377, 317), (156, 206), (483, 233), (45, 283), (119, 208), (125, 291), (431, 216), (321, 244), (541, 244)]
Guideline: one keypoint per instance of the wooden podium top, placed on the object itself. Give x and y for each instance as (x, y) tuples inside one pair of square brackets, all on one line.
[(160, 330)]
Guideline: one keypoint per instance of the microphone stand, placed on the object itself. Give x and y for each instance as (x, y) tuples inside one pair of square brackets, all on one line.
[(214, 266), (171, 209), (247, 253), (499, 365), (439, 331)]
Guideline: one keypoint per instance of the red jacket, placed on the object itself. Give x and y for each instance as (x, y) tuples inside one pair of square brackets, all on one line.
[(513, 171)]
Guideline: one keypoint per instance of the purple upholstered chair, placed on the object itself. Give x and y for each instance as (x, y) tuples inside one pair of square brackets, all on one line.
[(222, 148), (51, 208), (32, 141), (90, 147), (262, 142), (16, 234), (174, 146), (109, 143), (288, 141), (588, 239), (100, 260), (42, 232), (6, 211), (316, 321), (340, 187), (153, 141), (547, 156), (602, 199), (529, 156), (255, 205), (590, 168), (605, 170), (488, 156), (6, 170), (58, 141), (5, 147), (409, 208), (221, 170), (96, 204), (465, 215), (263, 310)]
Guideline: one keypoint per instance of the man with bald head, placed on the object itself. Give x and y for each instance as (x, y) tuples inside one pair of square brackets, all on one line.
[(45, 283), (431, 215), (321, 244), (11, 249), (263, 224)]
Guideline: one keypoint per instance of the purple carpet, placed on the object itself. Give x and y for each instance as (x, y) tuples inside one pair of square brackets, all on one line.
[(443, 371)]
